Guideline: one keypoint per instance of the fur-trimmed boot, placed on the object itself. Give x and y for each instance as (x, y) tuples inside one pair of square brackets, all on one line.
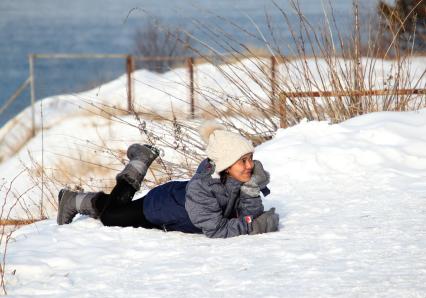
[(72, 203), (140, 158)]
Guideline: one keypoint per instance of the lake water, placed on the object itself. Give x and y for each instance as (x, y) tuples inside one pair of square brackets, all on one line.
[(105, 26)]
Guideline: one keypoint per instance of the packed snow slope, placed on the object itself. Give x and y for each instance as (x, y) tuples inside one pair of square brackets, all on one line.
[(352, 205)]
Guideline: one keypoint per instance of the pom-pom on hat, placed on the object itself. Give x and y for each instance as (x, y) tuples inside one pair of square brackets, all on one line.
[(222, 146)]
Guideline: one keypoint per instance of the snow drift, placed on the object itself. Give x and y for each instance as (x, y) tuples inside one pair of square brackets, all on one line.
[(352, 200)]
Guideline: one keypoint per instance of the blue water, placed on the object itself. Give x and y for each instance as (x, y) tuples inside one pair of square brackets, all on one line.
[(105, 26)]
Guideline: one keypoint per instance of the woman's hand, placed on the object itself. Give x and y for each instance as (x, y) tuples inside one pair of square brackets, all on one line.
[(259, 179)]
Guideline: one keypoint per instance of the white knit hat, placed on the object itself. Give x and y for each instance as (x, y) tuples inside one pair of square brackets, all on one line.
[(222, 146)]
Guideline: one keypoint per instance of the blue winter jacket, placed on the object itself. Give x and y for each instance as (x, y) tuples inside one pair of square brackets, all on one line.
[(164, 206), (203, 204)]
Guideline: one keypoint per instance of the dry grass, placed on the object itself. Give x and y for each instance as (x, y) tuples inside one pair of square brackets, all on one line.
[(6, 231), (321, 59)]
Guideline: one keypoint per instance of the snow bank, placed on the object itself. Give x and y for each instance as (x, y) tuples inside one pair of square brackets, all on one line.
[(352, 200)]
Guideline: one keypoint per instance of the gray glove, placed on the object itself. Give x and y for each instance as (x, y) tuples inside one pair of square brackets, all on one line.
[(265, 223), (251, 206), (259, 179)]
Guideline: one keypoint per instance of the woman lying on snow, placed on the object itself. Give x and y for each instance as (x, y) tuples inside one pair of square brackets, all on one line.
[(221, 200)]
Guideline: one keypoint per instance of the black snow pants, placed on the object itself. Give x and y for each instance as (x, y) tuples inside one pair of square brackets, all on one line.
[(118, 209)]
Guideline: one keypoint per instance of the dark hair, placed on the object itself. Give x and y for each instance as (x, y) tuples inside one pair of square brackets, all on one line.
[(223, 176)]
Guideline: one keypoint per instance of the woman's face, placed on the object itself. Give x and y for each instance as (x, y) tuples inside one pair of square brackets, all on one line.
[(241, 170)]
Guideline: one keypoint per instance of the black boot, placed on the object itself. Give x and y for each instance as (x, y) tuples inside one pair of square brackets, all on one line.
[(71, 203), (140, 158)]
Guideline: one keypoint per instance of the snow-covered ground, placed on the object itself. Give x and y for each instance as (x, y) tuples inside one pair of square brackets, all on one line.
[(352, 200)]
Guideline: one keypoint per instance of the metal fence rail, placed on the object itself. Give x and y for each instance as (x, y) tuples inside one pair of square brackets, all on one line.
[(284, 96), (15, 95)]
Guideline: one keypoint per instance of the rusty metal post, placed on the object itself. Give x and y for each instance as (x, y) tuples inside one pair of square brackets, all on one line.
[(32, 92), (356, 101), (191, 85), (283, 110), (273, 80), (130, 67)]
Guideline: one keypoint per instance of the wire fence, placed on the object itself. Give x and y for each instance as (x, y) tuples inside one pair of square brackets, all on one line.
[(43, 76), (286, 98), (129, 63)]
